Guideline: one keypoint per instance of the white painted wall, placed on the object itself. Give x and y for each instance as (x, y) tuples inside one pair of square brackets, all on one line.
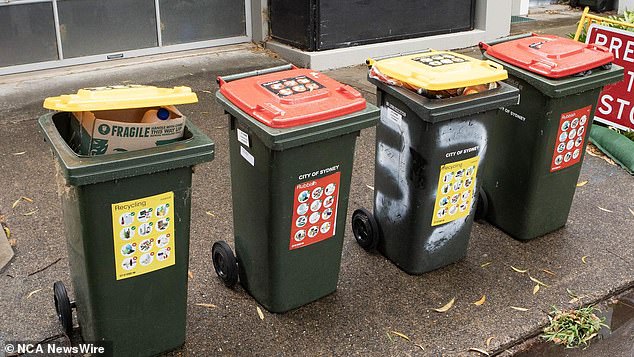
[(259, 20), (625, 5), (520, 7)]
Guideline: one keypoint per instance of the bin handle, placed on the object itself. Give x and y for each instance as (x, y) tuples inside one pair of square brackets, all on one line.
[(495, 65), (599, 48), (221, 80), (371, 61), (485, 46)]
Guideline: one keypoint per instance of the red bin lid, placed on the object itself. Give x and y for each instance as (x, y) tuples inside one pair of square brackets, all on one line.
[(292, 98), (551, 56)]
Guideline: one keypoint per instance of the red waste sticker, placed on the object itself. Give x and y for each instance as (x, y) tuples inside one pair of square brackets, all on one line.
[(314, 211), (570, 137)]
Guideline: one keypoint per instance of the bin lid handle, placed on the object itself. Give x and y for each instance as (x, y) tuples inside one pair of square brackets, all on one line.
[(268, 110), (494, 65)]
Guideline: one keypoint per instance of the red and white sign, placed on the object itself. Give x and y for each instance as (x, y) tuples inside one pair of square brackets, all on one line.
[(616, 101), (314, 211), (573, 128)]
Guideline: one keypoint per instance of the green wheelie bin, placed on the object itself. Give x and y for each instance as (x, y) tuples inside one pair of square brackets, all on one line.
[(540, 143), (429, 155), (292, 135), (126, 217)]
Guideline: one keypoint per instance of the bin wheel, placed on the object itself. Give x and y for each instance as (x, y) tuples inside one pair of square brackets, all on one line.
[(606, 66), (63, 306), (583, 73), (482, 208), (574, 3), (365, 229), (225, 263)]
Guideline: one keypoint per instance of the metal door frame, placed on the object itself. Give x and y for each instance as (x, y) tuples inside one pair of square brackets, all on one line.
[(63, 62)]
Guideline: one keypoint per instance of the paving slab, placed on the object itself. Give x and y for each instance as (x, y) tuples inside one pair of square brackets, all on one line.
[(374, 298)]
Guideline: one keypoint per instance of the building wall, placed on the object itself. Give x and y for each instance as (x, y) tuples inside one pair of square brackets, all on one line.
[(492, 20), (520, 7), (625, 5)]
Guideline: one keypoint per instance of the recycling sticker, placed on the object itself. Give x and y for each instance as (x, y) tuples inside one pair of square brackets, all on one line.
[(456, 190), (143, 233)]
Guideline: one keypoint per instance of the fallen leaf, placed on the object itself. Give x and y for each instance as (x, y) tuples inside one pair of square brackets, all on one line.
[(401, 335), (582, 183), (209, 213), (7, 231), (489, 341), (479, 351), (573, 300), (537, 281), (535, 289), (419, 346), (370, 187), (389, 336), (548, 272), (604, 209), (447, 306), (519, 308), (481, 301), (571, 293), (33, 292), (23, 198), (260, 313), (211, 306), (632, 212), (13, 242), (485, 264), (190, 274), (29, 213), (522, 271), (584, 259), (19, 153)]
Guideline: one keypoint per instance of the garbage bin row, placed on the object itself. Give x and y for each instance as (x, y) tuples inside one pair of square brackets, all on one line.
[(500, 139)]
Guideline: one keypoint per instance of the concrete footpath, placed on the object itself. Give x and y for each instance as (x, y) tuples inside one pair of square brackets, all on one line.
[(374, 302)]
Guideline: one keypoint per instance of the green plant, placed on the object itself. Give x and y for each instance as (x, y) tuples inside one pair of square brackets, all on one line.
[(627, 134), (573, 328), (627, 17)]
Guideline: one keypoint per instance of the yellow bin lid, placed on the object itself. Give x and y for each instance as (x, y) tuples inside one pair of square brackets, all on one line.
[(120, 97), (440, 70)]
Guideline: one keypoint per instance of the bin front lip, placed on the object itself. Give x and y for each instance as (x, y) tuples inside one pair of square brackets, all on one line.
[(438, 110), (286, 138), (562, 87), (84, 170)]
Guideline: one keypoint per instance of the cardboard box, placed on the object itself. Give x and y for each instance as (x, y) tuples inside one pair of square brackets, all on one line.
[(113, 131)]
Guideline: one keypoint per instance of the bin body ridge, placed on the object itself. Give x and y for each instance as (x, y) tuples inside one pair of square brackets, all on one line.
[(280, 278), (540, 143), (409, 156), (129, 311), (127, 219), (292, 135)]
